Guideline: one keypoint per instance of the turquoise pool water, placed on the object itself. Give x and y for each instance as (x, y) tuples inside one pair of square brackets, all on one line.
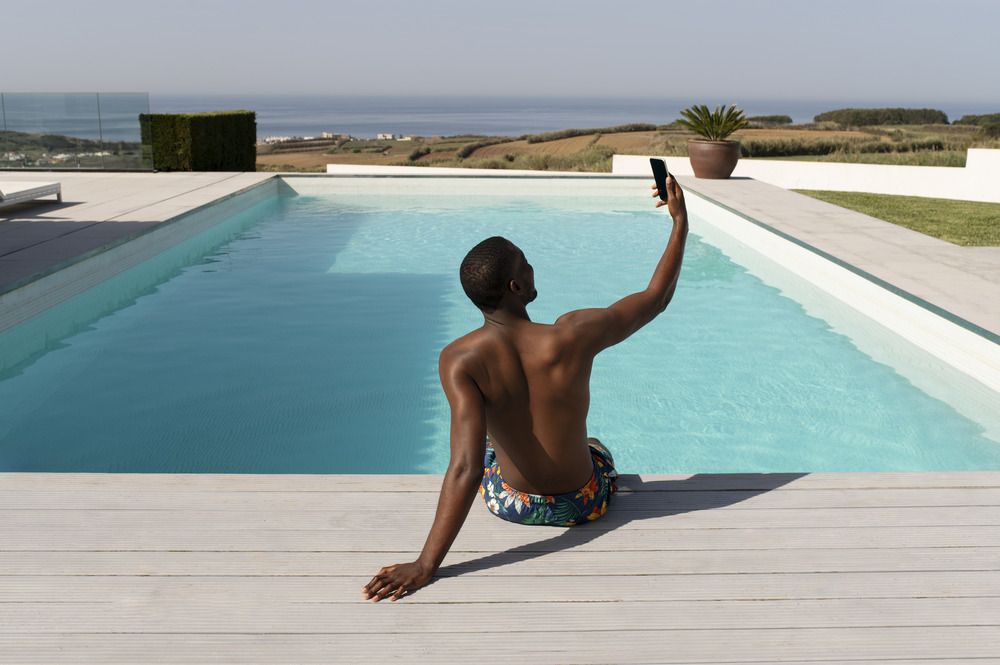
[(302, 337)]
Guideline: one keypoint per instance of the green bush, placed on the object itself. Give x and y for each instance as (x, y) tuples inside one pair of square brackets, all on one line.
[(992, 130), (889, 116), (770, 120), (981, 120), (792, 147), (417, 153), (222, 141)]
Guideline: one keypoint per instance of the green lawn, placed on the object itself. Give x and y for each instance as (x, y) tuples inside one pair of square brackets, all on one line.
[(961, 222)]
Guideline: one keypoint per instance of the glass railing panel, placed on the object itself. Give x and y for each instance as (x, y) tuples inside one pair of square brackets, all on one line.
[(71, 130), (119, 116)]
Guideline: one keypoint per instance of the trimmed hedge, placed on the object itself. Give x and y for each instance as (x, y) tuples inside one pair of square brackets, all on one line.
[(893, 116), (221, 141)]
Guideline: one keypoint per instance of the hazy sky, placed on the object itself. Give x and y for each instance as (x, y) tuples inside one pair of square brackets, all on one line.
[(879, 50)]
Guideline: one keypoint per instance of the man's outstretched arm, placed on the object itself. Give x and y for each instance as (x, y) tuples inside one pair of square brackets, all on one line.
[(465, 472), (600, 328)]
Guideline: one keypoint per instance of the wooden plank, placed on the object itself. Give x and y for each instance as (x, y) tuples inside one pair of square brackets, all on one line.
[(481, 589), (483, 538), (568, 562), (637, 646), (432, 483), (480, 518), (197, 615), (751, 518), (348, 501), (829, 568)]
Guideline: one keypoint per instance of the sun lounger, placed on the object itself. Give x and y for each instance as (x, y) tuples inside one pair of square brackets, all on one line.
[(19, 192)]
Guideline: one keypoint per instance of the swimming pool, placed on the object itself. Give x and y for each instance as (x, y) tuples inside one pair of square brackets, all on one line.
[(302, 336)]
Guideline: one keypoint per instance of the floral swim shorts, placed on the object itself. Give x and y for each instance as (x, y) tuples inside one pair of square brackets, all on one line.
[(569, 509)]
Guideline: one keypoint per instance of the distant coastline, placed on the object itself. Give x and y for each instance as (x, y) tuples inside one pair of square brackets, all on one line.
[(365, 117)]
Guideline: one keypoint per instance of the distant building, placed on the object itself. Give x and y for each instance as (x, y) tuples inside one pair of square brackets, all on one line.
[(405, 138), (326, 135), (277, 139), (385, 137)]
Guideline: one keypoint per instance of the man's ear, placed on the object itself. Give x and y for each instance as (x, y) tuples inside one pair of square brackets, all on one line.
[(514, 286)]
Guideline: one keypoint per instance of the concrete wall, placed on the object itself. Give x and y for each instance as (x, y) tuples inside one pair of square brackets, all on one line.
[(381, 170), (978, 181)]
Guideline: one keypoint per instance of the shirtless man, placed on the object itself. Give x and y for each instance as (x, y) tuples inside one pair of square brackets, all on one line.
[(519, 392)]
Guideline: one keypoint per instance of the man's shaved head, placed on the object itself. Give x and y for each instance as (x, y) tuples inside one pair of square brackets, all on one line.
[(486, 270)]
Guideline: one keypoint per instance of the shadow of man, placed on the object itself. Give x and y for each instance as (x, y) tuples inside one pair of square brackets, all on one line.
[(637, 500)]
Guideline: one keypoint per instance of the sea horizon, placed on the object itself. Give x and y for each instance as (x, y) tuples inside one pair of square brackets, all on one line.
[(364, 116)]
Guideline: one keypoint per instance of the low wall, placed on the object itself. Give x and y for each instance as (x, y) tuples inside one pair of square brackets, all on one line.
[(979, 180), (383, 170)]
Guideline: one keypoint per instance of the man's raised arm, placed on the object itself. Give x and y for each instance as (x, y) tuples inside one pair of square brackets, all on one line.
[(600, 328), (458, 491)]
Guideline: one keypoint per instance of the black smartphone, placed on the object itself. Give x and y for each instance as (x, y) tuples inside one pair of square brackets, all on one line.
[(660, 174)]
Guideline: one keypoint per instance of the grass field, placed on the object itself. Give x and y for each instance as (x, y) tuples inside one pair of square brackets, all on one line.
[(966, 223), (922, 145)]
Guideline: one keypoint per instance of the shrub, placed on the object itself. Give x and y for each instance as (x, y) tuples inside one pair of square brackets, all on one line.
[(417, 153), (981, 120), (795, 146), (992, 130), (770, 120), (469, 148), (887, 116), (222, 141)]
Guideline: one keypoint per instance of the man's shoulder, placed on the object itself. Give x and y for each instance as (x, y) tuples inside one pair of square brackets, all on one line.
[(574, 321), (584, 329), (464, 349)]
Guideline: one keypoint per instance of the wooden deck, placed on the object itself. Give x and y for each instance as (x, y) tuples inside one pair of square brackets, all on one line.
[(833, 568)]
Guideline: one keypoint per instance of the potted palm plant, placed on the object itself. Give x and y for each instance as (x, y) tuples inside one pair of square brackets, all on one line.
[(713, 156)]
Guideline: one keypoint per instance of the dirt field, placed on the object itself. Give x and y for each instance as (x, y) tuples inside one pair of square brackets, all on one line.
[(560, 147)]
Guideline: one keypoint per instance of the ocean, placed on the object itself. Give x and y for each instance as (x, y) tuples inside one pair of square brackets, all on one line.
[(285, 115)]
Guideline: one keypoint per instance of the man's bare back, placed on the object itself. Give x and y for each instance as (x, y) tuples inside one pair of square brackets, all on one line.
[(526, 385), (535, 382)]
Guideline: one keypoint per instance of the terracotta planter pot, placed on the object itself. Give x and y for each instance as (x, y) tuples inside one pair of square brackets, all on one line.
[(713, 159)]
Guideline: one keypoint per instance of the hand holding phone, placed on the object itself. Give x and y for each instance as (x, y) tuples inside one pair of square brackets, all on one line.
[(660, 174), (675, 204)]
